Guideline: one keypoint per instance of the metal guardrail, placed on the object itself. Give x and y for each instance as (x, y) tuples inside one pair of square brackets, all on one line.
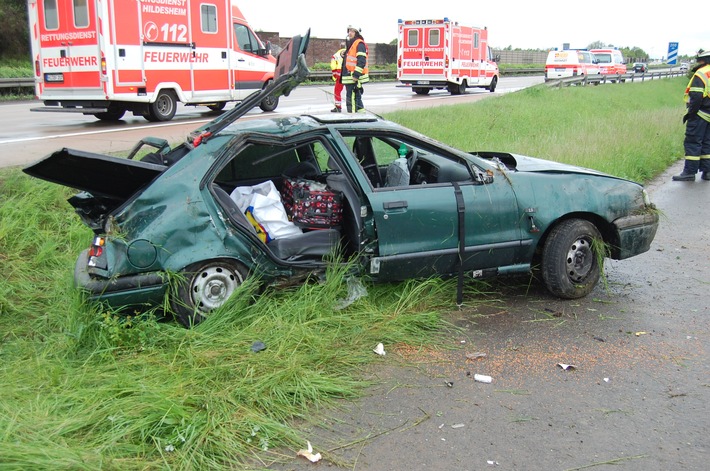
[(384, 74), (17, 82), (609, 78)]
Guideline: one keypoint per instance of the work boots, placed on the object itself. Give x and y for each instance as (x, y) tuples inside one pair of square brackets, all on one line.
[(685, 177), (689, 170)]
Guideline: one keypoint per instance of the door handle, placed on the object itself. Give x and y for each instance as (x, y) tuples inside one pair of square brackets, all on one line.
[(395, 205)]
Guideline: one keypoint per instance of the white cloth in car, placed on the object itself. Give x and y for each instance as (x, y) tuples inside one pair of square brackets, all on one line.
[(264, 202)]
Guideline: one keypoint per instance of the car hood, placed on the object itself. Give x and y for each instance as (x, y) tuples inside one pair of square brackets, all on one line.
[(523, 163)]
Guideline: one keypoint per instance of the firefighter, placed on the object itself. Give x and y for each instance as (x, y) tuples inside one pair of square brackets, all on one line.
[(355, 71), (697, 122), (336, 67)]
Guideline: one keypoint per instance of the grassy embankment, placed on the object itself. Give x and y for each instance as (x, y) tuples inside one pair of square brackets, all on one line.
[(81, 388)]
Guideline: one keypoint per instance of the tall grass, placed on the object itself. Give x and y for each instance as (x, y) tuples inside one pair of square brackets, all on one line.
[(83, 388), (630, 130)]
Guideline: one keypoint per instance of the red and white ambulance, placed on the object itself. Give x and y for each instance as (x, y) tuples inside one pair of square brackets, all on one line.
[(437, 54), (106, 57)]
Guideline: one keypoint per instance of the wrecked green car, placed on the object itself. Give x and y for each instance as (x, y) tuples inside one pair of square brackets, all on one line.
[(397, 203)]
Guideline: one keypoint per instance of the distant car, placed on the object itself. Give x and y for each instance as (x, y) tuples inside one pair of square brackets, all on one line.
[(640, 67), (170, 226), (683, 66)]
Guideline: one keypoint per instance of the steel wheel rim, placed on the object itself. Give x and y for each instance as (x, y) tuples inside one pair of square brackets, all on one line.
[(580, 260), (213, 286)]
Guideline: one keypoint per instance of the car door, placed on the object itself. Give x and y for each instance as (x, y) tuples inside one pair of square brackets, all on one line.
[(417, 225)]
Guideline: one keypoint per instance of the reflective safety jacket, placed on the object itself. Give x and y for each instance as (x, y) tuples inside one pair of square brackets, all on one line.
[(336, 63), (697, 93), (355, 66)]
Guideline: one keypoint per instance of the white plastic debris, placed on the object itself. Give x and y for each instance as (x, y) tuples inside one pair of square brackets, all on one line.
[(476, 355), (606, 380), (566, 367), (356, 290), (482, 378), (492, 463), (308, 454), (458, 426), (380, 349)]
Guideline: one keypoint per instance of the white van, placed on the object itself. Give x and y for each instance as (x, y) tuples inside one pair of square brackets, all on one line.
[(611, 62), (570, 63)]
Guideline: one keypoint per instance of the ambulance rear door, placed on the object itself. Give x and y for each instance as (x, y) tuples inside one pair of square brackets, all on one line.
[(423, 51), (68, 54)]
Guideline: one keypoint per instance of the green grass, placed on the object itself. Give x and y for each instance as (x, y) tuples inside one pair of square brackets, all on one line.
[(628, 130), (82, 388)]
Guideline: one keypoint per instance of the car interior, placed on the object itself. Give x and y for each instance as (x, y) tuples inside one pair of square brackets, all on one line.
[(312, 161)]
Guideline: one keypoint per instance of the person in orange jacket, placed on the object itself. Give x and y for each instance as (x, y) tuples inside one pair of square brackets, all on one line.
[(336, 67), (355, 70)]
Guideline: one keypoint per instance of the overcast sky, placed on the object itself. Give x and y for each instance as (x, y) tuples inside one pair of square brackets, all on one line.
[(525, 24)]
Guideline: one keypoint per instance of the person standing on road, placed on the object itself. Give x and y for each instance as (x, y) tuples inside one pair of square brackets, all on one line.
[(336, 67), (355, 70), (697, 122)]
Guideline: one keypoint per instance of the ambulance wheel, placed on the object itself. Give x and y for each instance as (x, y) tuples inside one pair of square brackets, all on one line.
[(219, 106), (112, 114), (457, 88), (269, 103), (421, 91), (493, 85), (164, 107)]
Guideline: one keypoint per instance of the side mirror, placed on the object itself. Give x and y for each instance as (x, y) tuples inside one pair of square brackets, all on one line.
[(265, 51)]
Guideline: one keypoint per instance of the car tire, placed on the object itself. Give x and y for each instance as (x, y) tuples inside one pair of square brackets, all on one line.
[(570, 266), (420, 90), (493, 85), (204, 287), (163, 108)]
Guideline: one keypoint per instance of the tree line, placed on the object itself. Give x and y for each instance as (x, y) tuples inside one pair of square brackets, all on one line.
[(15, 31)]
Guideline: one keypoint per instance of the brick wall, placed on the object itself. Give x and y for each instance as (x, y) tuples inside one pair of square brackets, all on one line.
[(320, 49)]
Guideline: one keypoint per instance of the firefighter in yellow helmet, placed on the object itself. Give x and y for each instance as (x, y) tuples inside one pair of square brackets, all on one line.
[(355, 70), (336, 67), (697, 122)]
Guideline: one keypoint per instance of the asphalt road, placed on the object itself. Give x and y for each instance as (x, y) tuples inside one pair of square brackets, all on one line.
[(27, 136), (637, 399)]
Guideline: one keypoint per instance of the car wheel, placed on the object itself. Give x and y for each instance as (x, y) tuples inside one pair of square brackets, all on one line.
[(114, 113), (164, 107), (570, 266), (204, 287), (420, 90), (493, 85)]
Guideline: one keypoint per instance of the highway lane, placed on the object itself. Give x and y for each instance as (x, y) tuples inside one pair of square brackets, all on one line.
[(27, 136)]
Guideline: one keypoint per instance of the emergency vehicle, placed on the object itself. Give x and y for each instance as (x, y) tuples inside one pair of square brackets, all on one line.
[(106, 57), (611, 61), (570, 63), (437, 54)]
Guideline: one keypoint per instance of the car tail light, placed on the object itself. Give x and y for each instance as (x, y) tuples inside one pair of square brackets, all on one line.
[(103, 65), (96, 251)]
